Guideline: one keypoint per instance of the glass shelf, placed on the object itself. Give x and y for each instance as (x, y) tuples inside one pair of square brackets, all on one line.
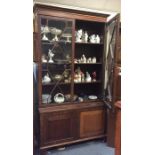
[(56, 63), (92, 82), (54, 42), (88, 43), (53, 83)]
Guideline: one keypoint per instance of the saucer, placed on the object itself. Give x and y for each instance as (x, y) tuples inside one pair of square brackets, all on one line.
[(92, 97)]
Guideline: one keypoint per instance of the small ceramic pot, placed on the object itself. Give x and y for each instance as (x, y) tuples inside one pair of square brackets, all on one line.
[(59, 98)]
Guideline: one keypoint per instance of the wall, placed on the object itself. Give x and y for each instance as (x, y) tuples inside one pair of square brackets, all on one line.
[(109, 5)]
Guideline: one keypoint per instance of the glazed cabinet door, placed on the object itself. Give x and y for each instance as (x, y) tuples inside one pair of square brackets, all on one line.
[(55, 57), (58, 127), (91, 123)]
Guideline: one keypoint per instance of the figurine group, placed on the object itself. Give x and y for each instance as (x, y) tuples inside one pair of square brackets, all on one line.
[(83, 59), (82, 36), (52, 30), (79, 76)]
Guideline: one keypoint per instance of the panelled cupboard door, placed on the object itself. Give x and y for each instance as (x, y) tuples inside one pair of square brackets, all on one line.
[(91, 123), (58, 127)]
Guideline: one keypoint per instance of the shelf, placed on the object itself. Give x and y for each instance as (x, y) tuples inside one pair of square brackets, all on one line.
[(53, 83), (67, 83), (92, 82), (55, 63), (44, 42), (73, 102), (83, 43), (98, 63), (87, 101)]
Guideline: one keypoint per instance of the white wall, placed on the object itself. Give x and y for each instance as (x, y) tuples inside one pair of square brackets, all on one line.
[(109, 5)]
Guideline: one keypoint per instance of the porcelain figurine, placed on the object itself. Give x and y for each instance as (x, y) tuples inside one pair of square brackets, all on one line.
[(83, 59), (43, 58), (88, 77), (85, 38), (46, 79), (75, 61), (79, 35), (51, 55), (82, 77), (78, 75), (94, 76), (66, 76), (80, 99), (93, 60), (97, 39), (89, 60), (92, 38)]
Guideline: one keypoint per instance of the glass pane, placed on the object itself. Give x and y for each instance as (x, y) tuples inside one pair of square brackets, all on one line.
[(56, 39), (110, 49)]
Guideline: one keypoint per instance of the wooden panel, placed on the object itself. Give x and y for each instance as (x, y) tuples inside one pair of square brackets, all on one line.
[(118, 129), (112, 115), (35, 44), (58, 127), (117, 84), (91, 123)]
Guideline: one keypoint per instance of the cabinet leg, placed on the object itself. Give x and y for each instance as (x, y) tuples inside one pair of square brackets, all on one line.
[(43, 152), (105, 139)]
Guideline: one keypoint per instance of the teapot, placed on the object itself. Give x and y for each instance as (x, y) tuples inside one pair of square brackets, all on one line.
[(59, 98)]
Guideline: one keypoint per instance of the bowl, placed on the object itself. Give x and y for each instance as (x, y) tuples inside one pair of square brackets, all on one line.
[(55, 31), (68, 97), (45, 29), (92, 97), (57, 77)]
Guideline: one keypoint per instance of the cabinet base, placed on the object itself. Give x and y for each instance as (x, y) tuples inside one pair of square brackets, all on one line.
[(45, 148)]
